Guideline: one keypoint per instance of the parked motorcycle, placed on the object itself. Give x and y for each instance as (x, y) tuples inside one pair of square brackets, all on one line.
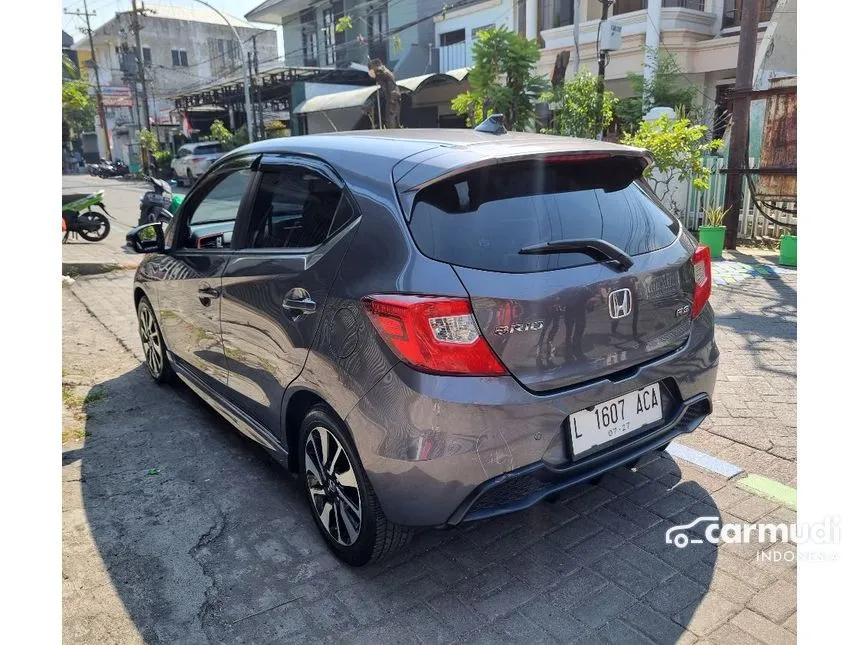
[(79, 218), (155, 204), (107, 168)]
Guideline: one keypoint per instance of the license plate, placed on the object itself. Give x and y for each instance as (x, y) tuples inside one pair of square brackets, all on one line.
[(612, 419)]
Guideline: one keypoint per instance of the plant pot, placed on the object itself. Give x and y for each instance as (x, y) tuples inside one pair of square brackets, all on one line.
[(788, 250), (714, 237)]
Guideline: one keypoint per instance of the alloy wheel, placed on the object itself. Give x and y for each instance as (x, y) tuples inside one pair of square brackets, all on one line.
[(151, 339), (332, 486)]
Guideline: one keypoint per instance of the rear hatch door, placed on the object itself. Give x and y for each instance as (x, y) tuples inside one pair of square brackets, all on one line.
[(561, 318)]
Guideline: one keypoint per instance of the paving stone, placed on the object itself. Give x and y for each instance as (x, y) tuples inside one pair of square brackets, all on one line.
[(753, 508), (763, 629), (602, 605), (624, 574), (777, 602), (653, 624), (558, 620), (703, 617), (617, 631), (674, 594)]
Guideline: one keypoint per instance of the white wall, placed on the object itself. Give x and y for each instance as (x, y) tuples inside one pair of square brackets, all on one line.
[(494, 12)]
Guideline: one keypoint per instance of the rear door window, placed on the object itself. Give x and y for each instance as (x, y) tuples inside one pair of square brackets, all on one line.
[(482, 218), (211, 149)]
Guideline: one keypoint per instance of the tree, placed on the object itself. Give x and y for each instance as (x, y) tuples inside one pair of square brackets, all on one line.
[(502, 79), (220, 133), (575, 107), (678, 147), (148, 145), (668, 88), (79, 109), (384, 78)]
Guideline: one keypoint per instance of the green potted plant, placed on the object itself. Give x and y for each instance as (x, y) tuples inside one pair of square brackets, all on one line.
[(712, 233), (788, 250)]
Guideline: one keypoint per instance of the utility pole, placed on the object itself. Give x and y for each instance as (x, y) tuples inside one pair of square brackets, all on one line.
[(252, 124), (735, 179), (135, 25), (601, 67), (261, 129), (99, 102)]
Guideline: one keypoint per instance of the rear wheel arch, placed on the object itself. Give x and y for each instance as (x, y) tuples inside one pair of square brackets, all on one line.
[(297, 406)]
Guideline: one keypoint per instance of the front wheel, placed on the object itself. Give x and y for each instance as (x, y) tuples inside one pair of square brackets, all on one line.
[(340, 496), (154, 350), (94, 227)]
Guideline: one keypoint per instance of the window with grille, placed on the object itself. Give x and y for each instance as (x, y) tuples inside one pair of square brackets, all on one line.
[(310, 38), (332, 38)]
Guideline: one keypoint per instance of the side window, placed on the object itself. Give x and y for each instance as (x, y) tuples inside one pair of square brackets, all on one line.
[(296, 208), (212, 219), (183, 152)]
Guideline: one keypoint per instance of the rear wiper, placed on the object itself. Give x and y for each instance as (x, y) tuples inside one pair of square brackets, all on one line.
[(599, 249)]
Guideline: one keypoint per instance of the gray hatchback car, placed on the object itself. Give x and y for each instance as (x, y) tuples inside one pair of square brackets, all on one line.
[(432, 327)]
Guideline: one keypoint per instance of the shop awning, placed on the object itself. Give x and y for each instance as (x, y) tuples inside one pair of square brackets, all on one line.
[(358, 97)]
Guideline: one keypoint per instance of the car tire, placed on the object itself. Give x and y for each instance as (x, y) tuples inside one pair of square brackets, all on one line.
[(340, 497), (152, 340)]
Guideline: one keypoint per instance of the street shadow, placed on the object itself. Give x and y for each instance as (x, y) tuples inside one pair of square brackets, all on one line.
[(206, 539)]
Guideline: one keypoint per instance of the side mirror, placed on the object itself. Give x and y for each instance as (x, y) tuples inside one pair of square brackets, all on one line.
[(148, 238)]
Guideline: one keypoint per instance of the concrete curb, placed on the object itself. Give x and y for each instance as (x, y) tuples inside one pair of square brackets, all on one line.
[(75, 269)]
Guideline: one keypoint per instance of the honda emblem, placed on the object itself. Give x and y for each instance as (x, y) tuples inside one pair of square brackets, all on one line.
[(620, 303)]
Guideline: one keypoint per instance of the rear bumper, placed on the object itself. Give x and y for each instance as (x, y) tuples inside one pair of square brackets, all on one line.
[(526, 486), (443, 450)]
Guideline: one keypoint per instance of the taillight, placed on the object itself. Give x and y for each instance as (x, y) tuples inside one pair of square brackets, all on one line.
[(197, 158), (702, 278), (433, 334)]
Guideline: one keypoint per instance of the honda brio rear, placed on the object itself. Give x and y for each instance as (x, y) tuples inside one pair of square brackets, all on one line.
[(535, 318)]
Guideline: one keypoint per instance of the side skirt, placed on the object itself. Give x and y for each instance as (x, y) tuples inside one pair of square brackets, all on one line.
[(236, 417)]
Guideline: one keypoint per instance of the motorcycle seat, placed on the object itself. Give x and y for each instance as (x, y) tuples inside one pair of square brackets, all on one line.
[(73, 197)]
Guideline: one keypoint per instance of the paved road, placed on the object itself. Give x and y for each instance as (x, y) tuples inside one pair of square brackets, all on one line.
[(177, 529)]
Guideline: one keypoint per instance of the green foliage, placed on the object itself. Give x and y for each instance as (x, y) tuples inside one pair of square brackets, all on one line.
[(221, 133), (240, 138), (575, 107), (163, 158), (148, 141), (502, 79), (714, 215), (79, 109), (343, 23), (678, 147), (668, 88)]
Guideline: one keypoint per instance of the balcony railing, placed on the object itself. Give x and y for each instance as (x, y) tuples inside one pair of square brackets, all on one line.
[(628, 6), (732, 12), (454, 57)]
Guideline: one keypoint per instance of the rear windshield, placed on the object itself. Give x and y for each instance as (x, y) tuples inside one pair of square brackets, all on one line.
[(482, 218), (209, 149)]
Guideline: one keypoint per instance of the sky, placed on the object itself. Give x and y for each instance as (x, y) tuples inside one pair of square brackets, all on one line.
[(105, 10)]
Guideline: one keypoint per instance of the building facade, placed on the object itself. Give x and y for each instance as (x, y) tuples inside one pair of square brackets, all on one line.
[(702, 34), (400, 33), (182, 48)]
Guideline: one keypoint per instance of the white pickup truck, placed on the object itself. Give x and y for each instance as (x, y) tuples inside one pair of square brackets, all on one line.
[(193, 159)]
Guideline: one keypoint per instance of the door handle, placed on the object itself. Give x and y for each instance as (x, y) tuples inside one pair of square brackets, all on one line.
[(207, 293)]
